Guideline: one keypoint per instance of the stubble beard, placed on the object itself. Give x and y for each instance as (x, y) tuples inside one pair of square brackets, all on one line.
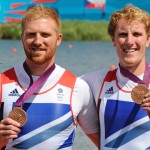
[(40, 58)]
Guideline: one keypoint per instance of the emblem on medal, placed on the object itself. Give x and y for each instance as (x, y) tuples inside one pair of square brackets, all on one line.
[(19, 115), (138, 93)]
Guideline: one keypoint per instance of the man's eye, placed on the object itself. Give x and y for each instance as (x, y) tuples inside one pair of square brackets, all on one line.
[(122, 34), (45, 35), (30, 35), (137, 34)]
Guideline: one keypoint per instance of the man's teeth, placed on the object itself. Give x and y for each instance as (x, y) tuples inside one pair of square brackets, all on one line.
[(36, 49), (129, 51)]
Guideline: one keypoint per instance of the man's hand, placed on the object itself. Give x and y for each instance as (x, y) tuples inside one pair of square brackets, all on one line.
[(146, 103), (9, 129)]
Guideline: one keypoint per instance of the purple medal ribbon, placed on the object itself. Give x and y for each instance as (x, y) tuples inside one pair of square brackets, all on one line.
[(27, 69), (33, 86), (134, 78)]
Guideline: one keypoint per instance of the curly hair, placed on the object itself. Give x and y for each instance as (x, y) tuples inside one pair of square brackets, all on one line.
[(130, 13)]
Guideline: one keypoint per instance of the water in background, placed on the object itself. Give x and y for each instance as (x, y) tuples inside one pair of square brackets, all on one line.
[(78, 57)]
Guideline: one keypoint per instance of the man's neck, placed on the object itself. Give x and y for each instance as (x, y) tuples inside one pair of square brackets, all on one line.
[(137, 69), (38, 69)]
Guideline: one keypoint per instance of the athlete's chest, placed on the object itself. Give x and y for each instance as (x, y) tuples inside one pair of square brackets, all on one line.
[(121, 117), (43, 103), (118, 109)]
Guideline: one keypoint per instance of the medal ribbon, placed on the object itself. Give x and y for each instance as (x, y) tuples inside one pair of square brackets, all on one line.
[(27, 69), (33, 86), (134, 78)]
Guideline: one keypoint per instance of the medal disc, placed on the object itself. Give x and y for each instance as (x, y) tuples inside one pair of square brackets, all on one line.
[(19, 115), (138, 93)]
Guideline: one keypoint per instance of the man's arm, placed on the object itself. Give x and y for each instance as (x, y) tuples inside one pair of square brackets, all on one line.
[(94, 138), (3, 143)]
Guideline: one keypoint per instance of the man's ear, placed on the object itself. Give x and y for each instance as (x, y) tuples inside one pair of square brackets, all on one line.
[(148, 42), (59, 39), (113, 41)]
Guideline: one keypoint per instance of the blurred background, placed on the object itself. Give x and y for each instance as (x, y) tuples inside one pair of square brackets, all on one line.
[(86, 46), (12, 10)]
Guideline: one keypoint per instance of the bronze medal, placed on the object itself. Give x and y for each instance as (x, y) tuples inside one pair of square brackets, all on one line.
[(19, 115), (138, 93)]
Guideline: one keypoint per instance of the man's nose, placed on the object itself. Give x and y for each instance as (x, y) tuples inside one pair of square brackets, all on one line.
[(38, 40)]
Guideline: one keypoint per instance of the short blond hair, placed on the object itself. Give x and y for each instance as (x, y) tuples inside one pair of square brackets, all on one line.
[(41, 11), (130, 13)]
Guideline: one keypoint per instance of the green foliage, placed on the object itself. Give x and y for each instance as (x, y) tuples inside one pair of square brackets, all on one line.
[(85, 30), (10, 31), (71, 30)]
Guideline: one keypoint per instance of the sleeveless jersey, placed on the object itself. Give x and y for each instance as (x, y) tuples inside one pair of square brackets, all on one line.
[(123, 124), (51, 124)]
